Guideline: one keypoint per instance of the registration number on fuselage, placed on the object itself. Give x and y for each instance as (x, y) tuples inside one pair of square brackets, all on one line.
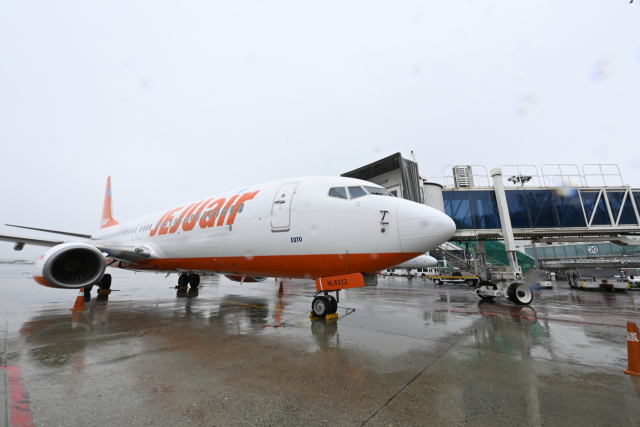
[(344, 281), (296, 239)]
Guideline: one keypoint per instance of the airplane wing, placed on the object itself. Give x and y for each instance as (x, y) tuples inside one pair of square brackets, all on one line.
[(30, 240), (83, 236), (131, 253)]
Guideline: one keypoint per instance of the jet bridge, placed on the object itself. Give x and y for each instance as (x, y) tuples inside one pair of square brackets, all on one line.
[(557, 201)]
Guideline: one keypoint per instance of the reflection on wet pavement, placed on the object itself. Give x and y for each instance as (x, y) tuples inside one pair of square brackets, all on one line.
[(411, 353)]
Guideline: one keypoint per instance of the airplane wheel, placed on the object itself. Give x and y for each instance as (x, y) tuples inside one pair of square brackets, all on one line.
[(183, 280), (437, 281), (520, 294), (194, 280), (317, 327), (105, 283), (334, 305), (320, 306)]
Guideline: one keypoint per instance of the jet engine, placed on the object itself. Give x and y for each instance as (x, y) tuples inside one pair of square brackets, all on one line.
[(70, 266), (247, 279)]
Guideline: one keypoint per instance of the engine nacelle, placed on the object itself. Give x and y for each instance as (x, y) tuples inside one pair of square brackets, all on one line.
[(247, 279), (70, 266)]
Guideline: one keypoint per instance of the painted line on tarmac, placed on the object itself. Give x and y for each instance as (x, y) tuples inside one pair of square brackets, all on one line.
[(416, 377), (20, 408)]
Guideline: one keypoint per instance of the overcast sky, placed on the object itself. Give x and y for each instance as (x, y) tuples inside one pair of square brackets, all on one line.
[(180, 100)]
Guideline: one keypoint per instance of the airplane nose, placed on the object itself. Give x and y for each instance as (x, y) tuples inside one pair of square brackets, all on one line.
[(421, 228)]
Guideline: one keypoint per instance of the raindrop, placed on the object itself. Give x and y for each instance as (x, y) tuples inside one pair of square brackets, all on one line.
[(601, 70)]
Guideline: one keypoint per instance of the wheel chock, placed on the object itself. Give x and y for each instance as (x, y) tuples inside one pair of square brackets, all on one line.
[(313, 316), (281, 290), (104, 291), (332, 316), (633, 348), (79, 305)]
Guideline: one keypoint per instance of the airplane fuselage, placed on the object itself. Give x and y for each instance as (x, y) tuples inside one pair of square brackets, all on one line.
[(298, 228)]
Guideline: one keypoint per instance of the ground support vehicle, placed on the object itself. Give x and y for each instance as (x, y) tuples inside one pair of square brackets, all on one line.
[(540, 279), (633, 277), (456, 277), (598, 278)]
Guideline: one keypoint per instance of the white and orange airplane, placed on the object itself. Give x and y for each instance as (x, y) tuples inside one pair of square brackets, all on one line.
[(338, 231)]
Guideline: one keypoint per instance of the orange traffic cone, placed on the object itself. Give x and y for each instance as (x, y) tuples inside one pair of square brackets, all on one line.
[(633, 346), (80, 301), (281, 290)]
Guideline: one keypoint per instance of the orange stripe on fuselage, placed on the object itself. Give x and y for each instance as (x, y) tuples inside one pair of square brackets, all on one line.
[(294, 266)]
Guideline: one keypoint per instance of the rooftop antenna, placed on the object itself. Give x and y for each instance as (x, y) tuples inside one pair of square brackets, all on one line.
[(519, 179)]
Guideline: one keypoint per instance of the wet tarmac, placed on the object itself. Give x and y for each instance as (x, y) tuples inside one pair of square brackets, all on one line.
[(411, 353)]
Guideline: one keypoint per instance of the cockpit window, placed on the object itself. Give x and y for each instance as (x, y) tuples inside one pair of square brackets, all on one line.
[(338, 192), (376, 191), (356, 192)]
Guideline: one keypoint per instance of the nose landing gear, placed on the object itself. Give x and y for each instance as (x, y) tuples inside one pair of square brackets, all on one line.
[(324, 305)]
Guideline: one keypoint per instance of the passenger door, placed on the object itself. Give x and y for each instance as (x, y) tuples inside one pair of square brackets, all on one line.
[(281, 208)]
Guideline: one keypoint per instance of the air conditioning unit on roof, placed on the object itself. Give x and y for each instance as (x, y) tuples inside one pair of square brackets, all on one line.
[(463, 176)]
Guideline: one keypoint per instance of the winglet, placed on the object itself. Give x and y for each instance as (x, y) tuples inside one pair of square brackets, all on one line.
[(107, 219)]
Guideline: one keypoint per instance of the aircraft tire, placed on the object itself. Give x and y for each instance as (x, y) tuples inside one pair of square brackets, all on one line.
[(334, 305), (194, 280), (320, 306), (105, 283), (183, 280)]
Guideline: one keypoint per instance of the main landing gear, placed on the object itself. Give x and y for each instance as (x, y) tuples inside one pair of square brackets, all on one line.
[(185, 280), (323, 305)]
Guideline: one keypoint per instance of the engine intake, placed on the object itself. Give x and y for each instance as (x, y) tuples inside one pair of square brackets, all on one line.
[(70, 266)]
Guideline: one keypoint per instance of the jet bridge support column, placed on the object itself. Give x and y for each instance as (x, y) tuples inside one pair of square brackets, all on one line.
[(535, 255), (505, 220), (482, 259)]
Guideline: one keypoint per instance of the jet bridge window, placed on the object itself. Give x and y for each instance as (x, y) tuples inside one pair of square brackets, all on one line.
[(339, 192), (355, 192), (378, 191)]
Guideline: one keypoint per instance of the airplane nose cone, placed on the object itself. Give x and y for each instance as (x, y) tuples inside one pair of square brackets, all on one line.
[(421, 228)]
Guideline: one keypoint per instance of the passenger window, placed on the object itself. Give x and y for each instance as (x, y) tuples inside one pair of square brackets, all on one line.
[(224, 211), (377, 191), (233, 208), (356, 192), (241, 208), (217, 213), (338, 192)]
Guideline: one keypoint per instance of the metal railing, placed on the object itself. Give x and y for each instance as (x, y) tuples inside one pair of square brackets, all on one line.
[(549, 175), (479, 179)]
